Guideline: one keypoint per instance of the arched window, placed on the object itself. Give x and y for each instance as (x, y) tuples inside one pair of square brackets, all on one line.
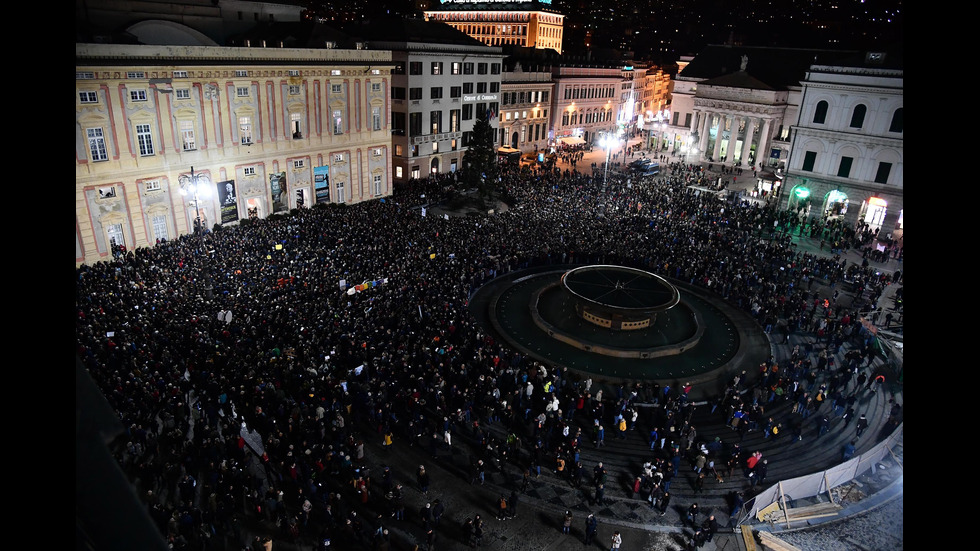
[(897, 122), (857, 118), (820, 114)]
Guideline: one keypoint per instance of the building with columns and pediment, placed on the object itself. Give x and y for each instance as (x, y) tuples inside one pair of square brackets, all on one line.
[(822, 127)]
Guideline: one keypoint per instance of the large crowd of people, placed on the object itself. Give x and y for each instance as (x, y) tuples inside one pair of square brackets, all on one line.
[(311, 326)]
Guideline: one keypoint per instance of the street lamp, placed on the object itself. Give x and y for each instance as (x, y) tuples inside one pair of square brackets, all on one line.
[(198, 185), (608, 142)]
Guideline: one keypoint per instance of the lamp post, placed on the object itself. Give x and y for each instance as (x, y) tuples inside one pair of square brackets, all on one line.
[(198, 185)]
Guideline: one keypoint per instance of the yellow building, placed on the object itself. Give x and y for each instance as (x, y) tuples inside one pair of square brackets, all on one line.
[(531, 24), (167, 135)]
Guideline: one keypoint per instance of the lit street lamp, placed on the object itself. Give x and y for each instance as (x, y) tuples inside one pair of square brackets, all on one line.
[(608, 142), (198, 185)]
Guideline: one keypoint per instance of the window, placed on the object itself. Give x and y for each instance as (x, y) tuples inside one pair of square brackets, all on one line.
[(152, 185), (335, 88), (182, 93), (857, 117), (88, 97), (468, 112), (436, 67), (240, 73), (341, 197), (397, 123), (245, 130), (135, 74), (377, 184), (435, 92), (481, 68), (820, 113), (415, 124), (376, 151), (338, 157), (494, 68), (494, 87), (293, 72), (160, 228), (299, 163), (145, 139), (435, 121), (375, 71), (293, 89), (249, 171), (338, 122), (881, 175), (375, 118), (455, 91), (415, 93), (180, 74), (809, 160), (456, 68), (544, 97), (398, 69), (137, 95), (397, 92), (467, 68), (415, 68), (454, 120), (116, 235), (375, 86), (295, 123), (241, 91), (481, 87), (187, 140), (897, 123), (398, 172), (435, 147), (335, 72), (844, 170), (467, 87), (84, 75), (96, 144)]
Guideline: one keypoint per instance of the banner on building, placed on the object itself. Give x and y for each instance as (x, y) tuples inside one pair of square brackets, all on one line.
[(277, 183), (229, 202), (321, 183)]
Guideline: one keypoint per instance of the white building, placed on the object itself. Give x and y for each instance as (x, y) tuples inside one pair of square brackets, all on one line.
[(846, 155), (587, 103), (525, 107), (442, 81)]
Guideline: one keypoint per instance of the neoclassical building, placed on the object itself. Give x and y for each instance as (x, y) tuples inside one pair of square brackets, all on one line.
[(587, 102), (530, 23), (525, 107), (169, 135), (847, 155), (735, 105)]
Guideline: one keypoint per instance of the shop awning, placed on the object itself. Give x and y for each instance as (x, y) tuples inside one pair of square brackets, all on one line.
[(571, 140)]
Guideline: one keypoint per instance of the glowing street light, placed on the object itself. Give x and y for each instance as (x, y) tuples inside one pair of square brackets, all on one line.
[(608, 142), (198, 185)]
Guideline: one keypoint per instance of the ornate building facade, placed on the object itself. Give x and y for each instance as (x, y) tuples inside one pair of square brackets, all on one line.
[(169, 137), (847, 154), (529, 24)]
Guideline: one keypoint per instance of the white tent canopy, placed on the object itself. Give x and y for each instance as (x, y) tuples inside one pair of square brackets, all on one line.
[(571, 140)]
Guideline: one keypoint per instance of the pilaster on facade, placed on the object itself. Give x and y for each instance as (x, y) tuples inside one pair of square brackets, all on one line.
[(261, 131)]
